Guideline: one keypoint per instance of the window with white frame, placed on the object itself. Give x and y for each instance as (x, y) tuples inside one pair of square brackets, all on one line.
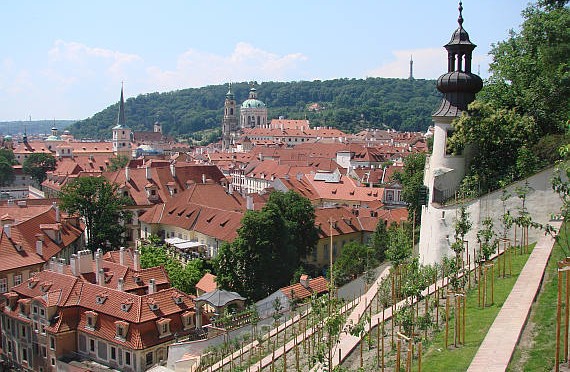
[(18, 279), (3, 285)]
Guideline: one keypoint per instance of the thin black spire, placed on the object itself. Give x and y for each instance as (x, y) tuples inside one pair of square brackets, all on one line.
[(460, 19), (121, 116)]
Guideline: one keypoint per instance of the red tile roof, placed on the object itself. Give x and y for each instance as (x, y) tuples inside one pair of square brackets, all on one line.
[(299, 292), (73, 296), (207, 283)]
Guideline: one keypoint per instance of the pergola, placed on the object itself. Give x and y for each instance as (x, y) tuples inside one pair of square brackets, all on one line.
[(219, 300)]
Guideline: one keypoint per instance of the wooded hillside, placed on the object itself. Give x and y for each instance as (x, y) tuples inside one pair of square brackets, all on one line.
[(348, 104)]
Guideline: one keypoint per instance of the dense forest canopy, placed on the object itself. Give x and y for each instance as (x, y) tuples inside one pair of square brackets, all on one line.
[(348, 104)]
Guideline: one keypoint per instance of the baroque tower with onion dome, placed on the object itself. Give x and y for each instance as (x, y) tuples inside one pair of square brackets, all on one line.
[(444, 170)]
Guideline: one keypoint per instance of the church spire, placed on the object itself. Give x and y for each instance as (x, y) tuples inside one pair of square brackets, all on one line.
[(121, 117)]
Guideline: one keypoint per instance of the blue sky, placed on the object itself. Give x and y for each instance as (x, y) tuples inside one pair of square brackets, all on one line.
[(67, 59)]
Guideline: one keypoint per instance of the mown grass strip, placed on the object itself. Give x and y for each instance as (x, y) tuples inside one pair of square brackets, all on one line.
[(478, 322)]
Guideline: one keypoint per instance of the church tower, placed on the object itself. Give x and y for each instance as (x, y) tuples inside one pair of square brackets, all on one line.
[(444, 170), (122, 134), (411, 77), (253, 112), (230, 121)]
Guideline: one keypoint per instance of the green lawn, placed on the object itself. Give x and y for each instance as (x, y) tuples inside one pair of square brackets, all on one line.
[(538, 354), (478, 321)]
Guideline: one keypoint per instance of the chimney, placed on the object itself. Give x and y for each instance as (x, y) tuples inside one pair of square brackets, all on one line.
[(127, 174), (53, 264), (122, 256), (136, 260), (8, 230), (39, 247), (61, 265), (73, 264), (231, 189), (98, 262), (101, 277), (203, 178), (304, 280), (120, 284), (173, 170), (147, 171), (57, 212), (249, 202), (151, 286), (85, 258)]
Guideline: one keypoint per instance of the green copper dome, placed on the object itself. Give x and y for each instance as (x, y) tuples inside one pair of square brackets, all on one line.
[(252, 101)]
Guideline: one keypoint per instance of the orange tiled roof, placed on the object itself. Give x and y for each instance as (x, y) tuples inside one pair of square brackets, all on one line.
[(207, 283), (297, 291), (73, 297), (205, 208)]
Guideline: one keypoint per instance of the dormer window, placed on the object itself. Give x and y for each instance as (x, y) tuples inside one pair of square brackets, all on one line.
[(91, 320), (121, 329), (126, 305), (45, 286), (188, 319), (32, 283), (152, 304), (101, 298), (163, 326), (137, 279), (178, 299)]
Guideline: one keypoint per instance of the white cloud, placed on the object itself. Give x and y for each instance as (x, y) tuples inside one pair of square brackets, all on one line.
[(72, 62), (76, 80), (429, 63), (197, 68)]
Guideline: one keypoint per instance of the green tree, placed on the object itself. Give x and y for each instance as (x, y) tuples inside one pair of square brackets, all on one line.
[(269, 246), (8, 154), (495, 137), (299, 216), (530, 71), (184, 277), (354, 259), (261, 259), (399, 244), (7, 160), (380, 241), (412, 179), (37, 164), (486, 237), (102, 208), (117, 163)]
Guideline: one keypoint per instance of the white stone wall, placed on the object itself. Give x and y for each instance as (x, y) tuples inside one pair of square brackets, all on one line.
[(437, 226)]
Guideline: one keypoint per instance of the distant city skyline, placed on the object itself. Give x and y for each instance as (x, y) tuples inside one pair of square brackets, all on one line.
[(67, 59)]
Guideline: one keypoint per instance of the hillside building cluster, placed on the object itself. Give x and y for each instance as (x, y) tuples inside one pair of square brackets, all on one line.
[(62, 304)]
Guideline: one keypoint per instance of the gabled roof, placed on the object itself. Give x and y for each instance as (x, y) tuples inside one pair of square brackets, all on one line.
[(161, 179), (74, 296), (19, 250), (206, 208), (207, 283)]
